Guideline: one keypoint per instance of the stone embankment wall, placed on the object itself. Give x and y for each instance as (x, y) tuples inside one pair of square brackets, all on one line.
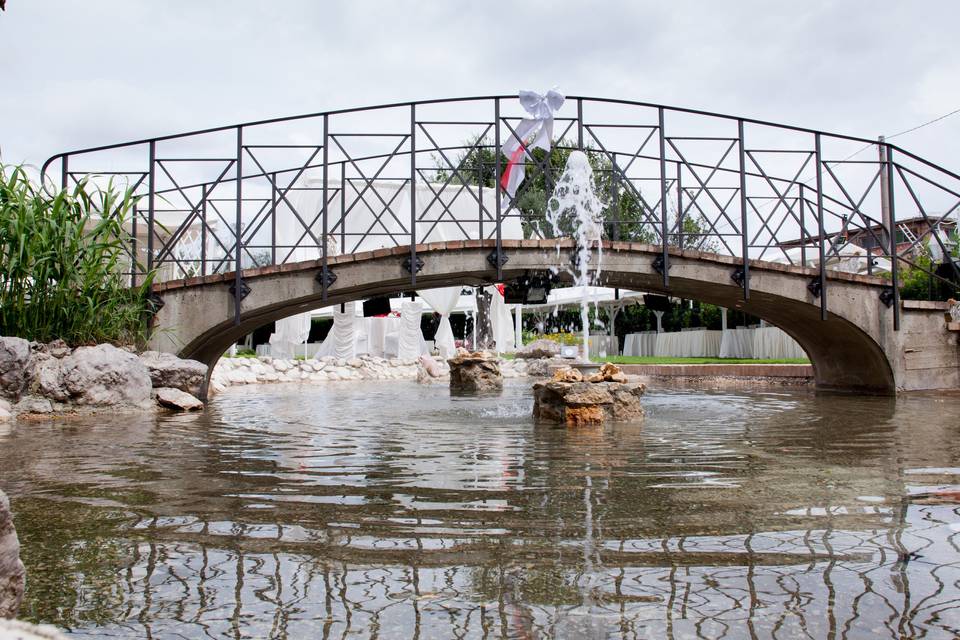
[(239, 371), (38, 378)]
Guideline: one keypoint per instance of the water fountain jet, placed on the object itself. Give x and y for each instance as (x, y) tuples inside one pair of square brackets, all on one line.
[(583, 393)]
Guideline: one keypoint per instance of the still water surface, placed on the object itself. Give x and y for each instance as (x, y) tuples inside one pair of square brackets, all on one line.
[(390, 510)]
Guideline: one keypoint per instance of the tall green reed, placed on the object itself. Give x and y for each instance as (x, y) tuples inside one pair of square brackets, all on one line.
[(62, 258)]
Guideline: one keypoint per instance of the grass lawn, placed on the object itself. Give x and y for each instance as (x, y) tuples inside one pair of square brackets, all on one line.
[(655, 360)]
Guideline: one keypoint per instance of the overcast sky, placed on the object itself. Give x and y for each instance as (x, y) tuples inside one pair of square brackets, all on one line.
[(76, 74)]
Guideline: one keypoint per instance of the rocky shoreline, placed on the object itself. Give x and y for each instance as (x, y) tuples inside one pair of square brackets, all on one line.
[(242, 371), (39, 379)]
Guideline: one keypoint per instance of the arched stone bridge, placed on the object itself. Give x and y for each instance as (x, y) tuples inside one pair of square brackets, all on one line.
[(854, 349)]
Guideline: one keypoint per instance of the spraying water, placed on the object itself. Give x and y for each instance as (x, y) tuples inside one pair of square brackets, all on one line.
[(575, 210)]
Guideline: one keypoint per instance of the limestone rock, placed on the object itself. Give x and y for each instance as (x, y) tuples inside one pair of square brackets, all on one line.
[(14, 360), (6, 411), (176, 399), (541, 348), (12, 571), (58, 349), (106, 375), (167, 370), (47, 378), (567, 374), (33, 404), (475, 373), (583, 393), (609, 372), (578, 404), (538, 368)]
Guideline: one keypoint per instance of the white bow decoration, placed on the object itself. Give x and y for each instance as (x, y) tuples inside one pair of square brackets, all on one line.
[(539, 127)]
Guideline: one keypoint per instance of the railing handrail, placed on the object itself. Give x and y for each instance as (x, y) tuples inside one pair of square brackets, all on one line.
[(434, 101)]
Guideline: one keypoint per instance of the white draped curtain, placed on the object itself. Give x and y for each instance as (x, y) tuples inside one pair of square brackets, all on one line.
[(411, 343), (341, 342), (501, 322), (443, 301), (288, 333)]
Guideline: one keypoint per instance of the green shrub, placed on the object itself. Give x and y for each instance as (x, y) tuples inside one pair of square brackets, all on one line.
[(62, 258)]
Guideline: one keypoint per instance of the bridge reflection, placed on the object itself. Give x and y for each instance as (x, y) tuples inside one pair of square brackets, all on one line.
[(727, 516)]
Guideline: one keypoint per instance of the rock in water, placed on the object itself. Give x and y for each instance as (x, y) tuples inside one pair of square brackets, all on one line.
[(14, 356), (167, 370), (541, 348), (475, 373), (176, 399), (12, 572), (106, 375), (576, 403)]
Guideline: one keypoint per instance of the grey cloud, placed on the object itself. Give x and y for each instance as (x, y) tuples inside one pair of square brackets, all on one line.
[(78, 74)]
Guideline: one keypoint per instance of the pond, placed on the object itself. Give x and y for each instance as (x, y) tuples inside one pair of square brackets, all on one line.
[(391, 510)]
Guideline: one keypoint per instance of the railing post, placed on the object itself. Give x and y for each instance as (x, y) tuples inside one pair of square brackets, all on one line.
[(497, 186), (65, 172), (679, 208), (664, 229), (894, 269), (133, 248), (744, 235), (238, 251), (480, 179), (803, 231), (413, 195), (820, 231), (203, 230), (615, 196), (579, 124), (273, 218), (343, 207), (324, 209), (151, 202)]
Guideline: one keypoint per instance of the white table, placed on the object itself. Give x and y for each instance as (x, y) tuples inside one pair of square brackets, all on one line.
[(640, 344), (701, 343)]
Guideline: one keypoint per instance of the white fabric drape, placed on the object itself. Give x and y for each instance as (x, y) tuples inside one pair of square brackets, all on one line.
[(774, 343), (288, 333), (501, 322), (737, 343), (689, 344), (759, 343), (411, 342), (642, 344), (341, 342), (443, 301)]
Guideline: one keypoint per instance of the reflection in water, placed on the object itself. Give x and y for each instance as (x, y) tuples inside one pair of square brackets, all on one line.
[(395, 511)]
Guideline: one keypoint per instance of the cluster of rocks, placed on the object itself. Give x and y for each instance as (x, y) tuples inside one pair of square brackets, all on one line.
[(476, 372), (38, 378), (572, 400), (240, 371)]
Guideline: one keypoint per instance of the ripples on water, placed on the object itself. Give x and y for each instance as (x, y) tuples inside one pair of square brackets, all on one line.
[(394, 511)]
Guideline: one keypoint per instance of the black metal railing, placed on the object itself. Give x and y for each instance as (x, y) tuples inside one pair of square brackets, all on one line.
[(276, 191)]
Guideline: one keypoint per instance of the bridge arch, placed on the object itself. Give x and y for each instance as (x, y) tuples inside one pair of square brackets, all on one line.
[(392, 183), (845, 349)]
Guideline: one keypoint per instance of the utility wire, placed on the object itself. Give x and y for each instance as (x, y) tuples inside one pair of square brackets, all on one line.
[(905, 131)]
